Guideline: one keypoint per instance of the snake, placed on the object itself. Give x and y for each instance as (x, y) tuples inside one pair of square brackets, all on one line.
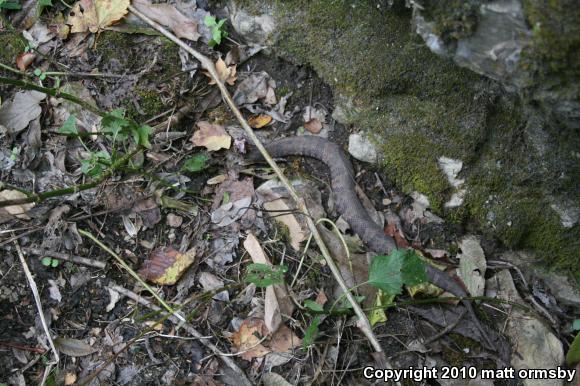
[(343, 184)]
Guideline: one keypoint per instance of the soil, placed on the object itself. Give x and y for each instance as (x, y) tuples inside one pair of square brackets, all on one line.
[(127, 214)]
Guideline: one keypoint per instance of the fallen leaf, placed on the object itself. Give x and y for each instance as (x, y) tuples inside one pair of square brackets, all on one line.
[(321, 298), (226, 74), (70, 379), (73, 347), (295, 231), (217, 179), (284, 340), (211, 136), (472, 265), (114, 297), (165, 265), (95, 15), (149, 211), (314, 126), (169, 16), (24, 60), (284, 304), (18, 211), (274, 379), (272, 314), (210, 282), (230, 212), (247, 339), (254, 87), (18, 113), (174, 221), (53, 291), (259, 121)]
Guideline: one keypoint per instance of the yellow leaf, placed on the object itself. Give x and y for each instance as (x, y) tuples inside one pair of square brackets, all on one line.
[(95, 15), (212, 137), (166, 265), (259, 121), (225, 74)]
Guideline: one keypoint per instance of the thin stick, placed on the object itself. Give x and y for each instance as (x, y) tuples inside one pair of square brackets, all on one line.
[(36, 295), (67, 257), (190, 329), (132, 273), (206, 63)]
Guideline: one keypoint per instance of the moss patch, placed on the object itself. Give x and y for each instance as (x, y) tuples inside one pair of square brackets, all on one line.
[(418, 107), (13, 44)]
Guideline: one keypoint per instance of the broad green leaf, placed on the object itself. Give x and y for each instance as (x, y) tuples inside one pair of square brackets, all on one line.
[(413, 270), (195, 163), (344, 304), (46, 261), (209, 21), (144, 131), (14, 5), (115, 123), (576, 325), (573, 355), (37, 72), (263, 275), (312, 305), (311, 332), (54, 263), (385, 272)]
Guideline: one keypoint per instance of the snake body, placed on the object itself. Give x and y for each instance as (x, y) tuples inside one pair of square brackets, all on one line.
[(350, 207)]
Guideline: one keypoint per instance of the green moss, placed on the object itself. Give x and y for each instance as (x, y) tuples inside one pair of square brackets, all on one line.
[(13, 44), (149, 102), (555, 38), (454, 19), (410, 162)]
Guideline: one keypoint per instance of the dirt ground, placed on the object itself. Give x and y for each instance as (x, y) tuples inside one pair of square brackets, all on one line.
[(179, 199)]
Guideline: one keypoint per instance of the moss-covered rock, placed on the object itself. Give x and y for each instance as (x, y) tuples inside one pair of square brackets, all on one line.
[(418, 107)]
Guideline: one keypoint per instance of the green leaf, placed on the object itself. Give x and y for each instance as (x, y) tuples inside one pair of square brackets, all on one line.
[(312, 305), (42, 76), (37, 72), (46, 261), (343, 303), (311, 332), (209, 21), (385, 272), (413, 270), (69, 126), (382, 301), (263, 275), (115, 124), (226, 198), (45, 3), (144, 131), (195, 163), (14, 5), (54, 263), (573, 355), (216, 36), (576, 325)]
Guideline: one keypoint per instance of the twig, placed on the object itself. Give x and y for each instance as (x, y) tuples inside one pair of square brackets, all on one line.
[(190, 329), (36, 295), (39, 197), (53, 92), (67, 257), (132, 273), (206, 63)]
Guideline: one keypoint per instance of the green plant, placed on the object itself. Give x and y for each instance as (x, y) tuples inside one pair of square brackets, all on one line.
[(401, 267), (263, 275), (115, 127), (7, 4), (217, 30), (40, 74), (49, 262), (195, 163)]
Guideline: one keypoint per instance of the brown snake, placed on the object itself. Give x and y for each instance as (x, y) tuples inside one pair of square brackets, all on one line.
[(349, 206)]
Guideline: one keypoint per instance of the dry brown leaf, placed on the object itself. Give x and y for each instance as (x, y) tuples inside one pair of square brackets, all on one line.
[(283, 304), (321, 298), (166, 265), (23, 108), (296, 233), (95, 15), (18, 211), (247, 339), (272, 314), (73, 347), (284, 340), (217, 179), (212, 137), (314, 126), (169, 16), (70, 379), (24, 60), (259, 121), (226, 74)]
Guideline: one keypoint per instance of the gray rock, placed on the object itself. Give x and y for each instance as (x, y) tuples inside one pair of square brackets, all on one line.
[(254, 29), (361, 148)]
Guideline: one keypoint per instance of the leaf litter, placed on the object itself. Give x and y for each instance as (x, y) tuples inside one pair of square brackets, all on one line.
[(186, 212)]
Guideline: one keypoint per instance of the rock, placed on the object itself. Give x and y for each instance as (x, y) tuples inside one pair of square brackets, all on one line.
[(361, 148), (560, 286), (520, 44), (254, 29)]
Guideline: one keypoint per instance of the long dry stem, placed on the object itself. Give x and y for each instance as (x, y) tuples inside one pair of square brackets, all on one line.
[(206, 63)]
